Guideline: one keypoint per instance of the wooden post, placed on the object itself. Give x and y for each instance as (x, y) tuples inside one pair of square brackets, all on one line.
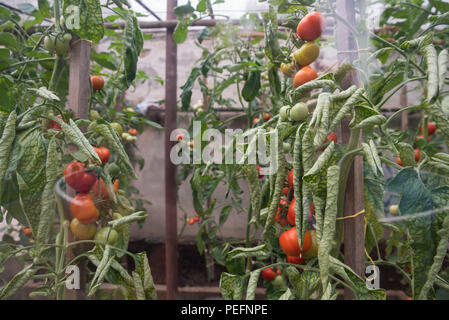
[(78, 100), (171, 219), (354, 238)]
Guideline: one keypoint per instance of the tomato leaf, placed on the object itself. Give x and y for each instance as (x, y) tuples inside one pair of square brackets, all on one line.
[(91, 25), (231, 286)]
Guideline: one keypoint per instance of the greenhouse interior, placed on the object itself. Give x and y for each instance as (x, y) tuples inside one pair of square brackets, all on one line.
[(154, 150)]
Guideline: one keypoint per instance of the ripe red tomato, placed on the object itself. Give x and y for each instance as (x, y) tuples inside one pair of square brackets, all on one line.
[(132, 132), (290, 178), (311, 26), (196, 218), (99, 189), (255, 120), (304, 75), (332, 137), (83, 208), (27, 231), (269, 274), (103, 153), (76, 177), (278, 218), (291, 213), (191, 221), (431, 128), (54, 125), (97, 82), (266, 116), (417, 155), (295, 260), (398, 161), (258, 169), (290, 245)]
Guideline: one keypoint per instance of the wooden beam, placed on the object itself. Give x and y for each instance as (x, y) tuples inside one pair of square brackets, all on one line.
[(171, 218), (354, 238), (78, 101)]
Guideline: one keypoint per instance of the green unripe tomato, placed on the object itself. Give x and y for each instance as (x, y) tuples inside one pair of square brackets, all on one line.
[(244, 53), (283, 113), (278, 282), (260, 55), (61, 46), (125, 135), (118, 127), (394, 209), (113, 170), (49, 43), (307, 54), (92, 126), (299, 112), (197, 105), (286, 147), (83, 231), (130, 110), (116, 216), (67, 37), (102, 235), (94, 115)]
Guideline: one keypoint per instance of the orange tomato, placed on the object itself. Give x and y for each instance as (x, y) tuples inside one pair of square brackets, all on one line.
[(99, 189), (132, 132), (304, 75), (83, 208), (27, 231), (103, 153), (97, 82)]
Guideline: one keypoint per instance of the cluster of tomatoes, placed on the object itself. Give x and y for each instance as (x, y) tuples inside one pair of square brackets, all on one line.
[(309, 29), (58, 43), (196, 218), (266, 116), (431, 128), (288, 240), (91, 192)]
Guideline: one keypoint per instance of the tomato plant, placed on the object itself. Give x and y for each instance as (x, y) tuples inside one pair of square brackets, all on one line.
[(48, 162), (308, 111)]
